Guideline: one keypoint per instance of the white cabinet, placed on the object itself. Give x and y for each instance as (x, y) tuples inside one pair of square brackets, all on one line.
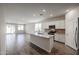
[(27, 37), (60, 24), (60, 37)]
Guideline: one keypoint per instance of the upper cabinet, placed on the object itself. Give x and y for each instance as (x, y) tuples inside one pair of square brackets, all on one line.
[(60, 24)]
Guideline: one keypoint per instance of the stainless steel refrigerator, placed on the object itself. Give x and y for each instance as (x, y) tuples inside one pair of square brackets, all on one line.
[(77, 37)]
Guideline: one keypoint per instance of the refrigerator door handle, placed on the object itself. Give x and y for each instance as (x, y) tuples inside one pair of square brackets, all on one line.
[(76, 33)]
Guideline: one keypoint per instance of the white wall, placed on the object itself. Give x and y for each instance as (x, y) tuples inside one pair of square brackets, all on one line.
[(30, 28), (2, 32), (71, 24)]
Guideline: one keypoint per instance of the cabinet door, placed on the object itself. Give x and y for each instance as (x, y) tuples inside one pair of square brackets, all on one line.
[(57, 37), (60, 37)]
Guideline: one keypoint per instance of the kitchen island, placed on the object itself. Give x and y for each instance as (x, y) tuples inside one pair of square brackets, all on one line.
[(44, 41)]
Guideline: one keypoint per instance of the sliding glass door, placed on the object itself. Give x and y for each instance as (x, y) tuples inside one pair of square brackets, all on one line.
[(15, 36), (10, 38)]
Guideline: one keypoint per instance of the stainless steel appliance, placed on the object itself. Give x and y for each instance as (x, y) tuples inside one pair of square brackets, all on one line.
[(77, 37), (52, 30)]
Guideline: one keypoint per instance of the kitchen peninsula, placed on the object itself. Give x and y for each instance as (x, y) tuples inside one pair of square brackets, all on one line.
[(44, 41)]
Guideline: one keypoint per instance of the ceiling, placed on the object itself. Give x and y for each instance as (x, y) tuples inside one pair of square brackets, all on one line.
[(28, 13)]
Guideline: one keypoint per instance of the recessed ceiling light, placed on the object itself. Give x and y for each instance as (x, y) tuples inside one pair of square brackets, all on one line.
[(34, 15), (43, 10), (67, 10), (51, 15)]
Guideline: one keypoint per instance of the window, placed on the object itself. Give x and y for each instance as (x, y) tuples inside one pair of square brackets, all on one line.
[(20, 27), (38, 27), (10, 28)]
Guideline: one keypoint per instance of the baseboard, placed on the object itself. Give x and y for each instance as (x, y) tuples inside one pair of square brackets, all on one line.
[(59, 41), (71, 47)]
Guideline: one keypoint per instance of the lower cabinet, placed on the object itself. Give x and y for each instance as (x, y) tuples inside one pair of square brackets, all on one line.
[(60, 37)]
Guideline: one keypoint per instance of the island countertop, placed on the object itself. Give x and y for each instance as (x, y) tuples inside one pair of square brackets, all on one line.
[(44, 35)]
